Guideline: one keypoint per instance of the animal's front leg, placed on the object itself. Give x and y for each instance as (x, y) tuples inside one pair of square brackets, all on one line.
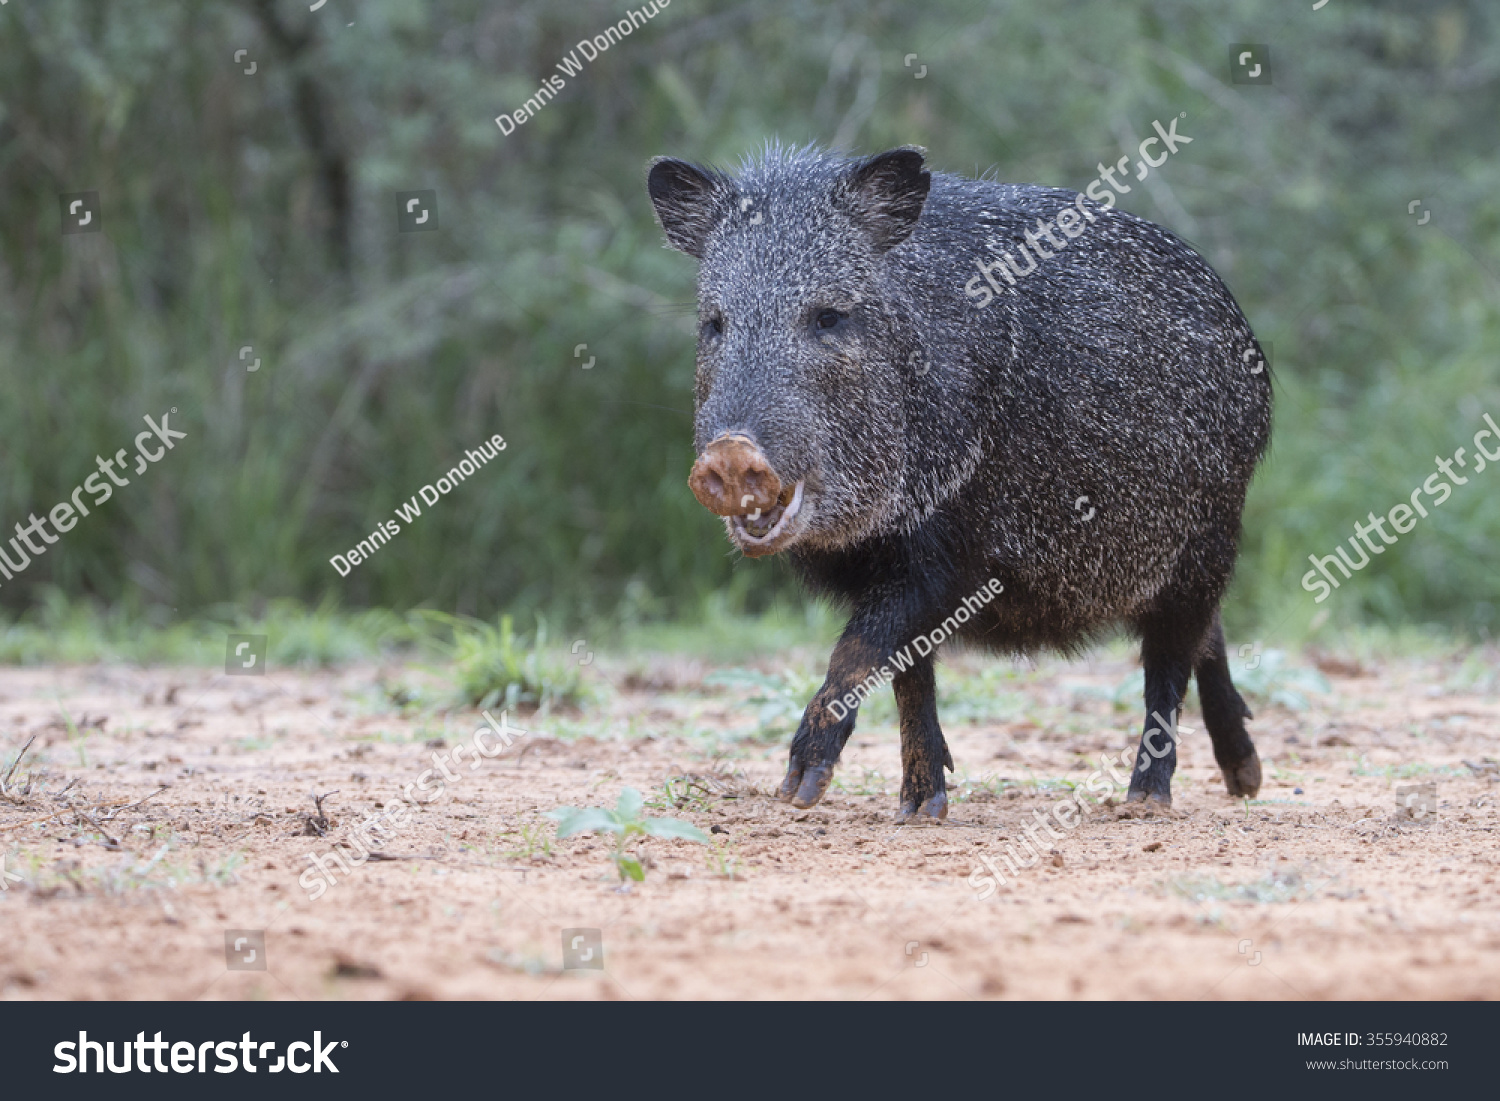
[(829, 720), (924, 752)]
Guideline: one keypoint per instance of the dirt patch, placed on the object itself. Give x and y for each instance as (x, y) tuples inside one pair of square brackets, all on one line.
[(161, 820)]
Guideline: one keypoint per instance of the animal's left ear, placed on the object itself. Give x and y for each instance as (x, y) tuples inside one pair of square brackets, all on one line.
[(885, 193)]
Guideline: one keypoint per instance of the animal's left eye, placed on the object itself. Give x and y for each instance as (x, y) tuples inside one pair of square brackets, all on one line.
[(827, 319)]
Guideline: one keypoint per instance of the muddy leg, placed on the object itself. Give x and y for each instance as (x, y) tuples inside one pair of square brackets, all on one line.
[(828, 722), (923, 750), (1224, 713)]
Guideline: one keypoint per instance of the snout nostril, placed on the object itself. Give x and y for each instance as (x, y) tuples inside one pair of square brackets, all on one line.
[(732, 477)]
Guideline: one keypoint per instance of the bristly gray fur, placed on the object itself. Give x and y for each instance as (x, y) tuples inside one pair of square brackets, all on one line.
[(942, 444), (1115, 371)]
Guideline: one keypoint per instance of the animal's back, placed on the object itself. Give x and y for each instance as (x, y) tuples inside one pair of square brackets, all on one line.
[(1118, 369)]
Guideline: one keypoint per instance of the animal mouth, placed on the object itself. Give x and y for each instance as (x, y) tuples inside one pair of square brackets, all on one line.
[(761, 532)]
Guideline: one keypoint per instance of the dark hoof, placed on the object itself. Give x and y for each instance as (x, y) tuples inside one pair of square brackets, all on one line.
[(1243, 780), (803, 787), (789, 784), (934, 807)]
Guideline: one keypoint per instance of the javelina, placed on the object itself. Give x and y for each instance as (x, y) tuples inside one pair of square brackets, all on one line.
[(1081, 431)]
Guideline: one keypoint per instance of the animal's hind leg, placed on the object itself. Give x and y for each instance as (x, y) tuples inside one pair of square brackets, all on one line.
[(1224, 713), (1169, 644)]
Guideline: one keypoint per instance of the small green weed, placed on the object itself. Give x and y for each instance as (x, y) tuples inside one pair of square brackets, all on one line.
[(534, 841), (495, 667), (625, 822), (723, 863)]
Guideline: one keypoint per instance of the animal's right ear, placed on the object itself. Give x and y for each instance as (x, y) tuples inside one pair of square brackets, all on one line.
[(689, 202)]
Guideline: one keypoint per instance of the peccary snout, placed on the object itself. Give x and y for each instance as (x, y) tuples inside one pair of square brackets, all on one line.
[(732, 477)]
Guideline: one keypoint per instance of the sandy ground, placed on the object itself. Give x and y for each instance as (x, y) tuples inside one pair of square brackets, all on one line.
[(1323, 888)]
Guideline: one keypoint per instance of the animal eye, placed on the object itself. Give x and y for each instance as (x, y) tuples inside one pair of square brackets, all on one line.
[(827, 319), (714, 326)]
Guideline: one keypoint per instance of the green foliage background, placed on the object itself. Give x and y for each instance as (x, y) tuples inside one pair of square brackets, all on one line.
[(260, 210)]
